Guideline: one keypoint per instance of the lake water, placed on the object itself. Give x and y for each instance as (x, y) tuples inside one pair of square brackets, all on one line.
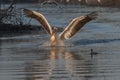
[(24, 58)]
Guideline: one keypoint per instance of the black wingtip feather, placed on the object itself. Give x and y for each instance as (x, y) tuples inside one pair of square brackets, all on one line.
[(93, 15), (27, 12)]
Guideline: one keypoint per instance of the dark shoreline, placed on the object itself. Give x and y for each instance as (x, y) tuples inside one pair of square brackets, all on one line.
[(6, 29)]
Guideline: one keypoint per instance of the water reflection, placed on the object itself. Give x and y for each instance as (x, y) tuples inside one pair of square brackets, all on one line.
[(20, 61), (0, 46), (59, 64)]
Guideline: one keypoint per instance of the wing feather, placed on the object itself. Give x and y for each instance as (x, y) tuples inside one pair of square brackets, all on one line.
[(40, 18), (76, 24)]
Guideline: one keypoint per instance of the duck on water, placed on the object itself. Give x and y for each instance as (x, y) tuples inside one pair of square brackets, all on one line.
[(73, 27)]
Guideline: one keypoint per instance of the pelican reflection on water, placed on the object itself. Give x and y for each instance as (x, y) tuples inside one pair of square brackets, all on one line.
[(73, 27), (59, 63)]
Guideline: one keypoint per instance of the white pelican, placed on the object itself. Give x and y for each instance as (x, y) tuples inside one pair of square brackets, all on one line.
[(74, 26)]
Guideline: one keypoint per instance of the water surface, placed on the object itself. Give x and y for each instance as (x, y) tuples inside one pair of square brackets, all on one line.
[(24, 58)]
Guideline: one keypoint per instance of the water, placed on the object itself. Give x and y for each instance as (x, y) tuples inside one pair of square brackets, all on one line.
[(24, 58)]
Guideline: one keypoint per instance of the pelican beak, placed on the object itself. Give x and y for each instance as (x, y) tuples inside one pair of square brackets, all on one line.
[(28, 13)]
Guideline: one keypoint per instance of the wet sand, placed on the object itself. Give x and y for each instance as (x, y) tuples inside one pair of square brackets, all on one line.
[(24, 58)]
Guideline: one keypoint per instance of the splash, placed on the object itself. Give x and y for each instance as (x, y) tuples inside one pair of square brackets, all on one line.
[(60, 44)]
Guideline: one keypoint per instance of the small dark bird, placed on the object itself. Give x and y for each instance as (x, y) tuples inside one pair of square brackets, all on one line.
[(92, 53), (74, 26)]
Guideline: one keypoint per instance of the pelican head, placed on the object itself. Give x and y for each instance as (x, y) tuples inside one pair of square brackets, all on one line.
[(55, 29)]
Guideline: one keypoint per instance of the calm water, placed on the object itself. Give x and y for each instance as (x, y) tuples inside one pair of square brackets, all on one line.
[(24, 58)]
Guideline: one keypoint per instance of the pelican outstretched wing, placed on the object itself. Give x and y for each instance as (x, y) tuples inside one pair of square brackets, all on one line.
[(39, 17), (76, 24)]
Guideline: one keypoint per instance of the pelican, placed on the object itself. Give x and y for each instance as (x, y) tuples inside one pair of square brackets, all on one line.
[(73, 27)]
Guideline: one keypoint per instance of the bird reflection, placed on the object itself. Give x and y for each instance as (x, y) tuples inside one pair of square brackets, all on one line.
[(59, 63)]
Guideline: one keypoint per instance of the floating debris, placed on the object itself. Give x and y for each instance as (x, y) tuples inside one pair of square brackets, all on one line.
[(49, 2)]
